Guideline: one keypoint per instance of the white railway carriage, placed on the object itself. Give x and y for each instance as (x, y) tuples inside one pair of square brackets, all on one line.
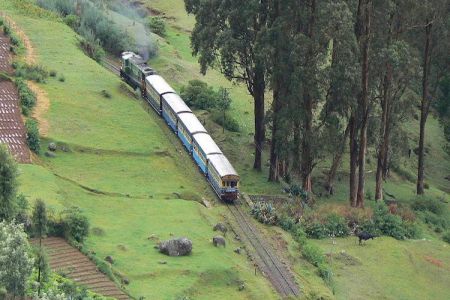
[(203, 145), (223, 177), (205, 152), (188, 126), (156, 87), (172, 106)]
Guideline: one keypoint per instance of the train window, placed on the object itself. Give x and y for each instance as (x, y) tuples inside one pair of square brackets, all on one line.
[(223, 183), (233, 183)]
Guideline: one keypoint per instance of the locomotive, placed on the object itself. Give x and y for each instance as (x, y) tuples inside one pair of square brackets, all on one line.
[(213, 164)]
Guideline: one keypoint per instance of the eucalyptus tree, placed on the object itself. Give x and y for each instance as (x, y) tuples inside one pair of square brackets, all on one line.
[(227, 36), (432, 37)]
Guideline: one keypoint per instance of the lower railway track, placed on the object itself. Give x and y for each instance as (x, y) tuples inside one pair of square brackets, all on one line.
[(266, 259)]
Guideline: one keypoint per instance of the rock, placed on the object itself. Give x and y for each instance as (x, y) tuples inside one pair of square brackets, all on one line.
[(218, 240), (52, 147), (237, 238), (221, 227), (126, 281), (237, 250), (241, 287), (206, 203), (109, 259), (50, 154), (176, 247)]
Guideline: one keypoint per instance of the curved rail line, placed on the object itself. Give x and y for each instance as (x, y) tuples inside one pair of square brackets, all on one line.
[(267, 262), (277, 273)]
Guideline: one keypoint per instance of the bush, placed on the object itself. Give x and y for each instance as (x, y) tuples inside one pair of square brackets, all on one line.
[(73, 21), (62, 78), (27, 97), (229, 123), (316, 229), (157, 26), (313, 254), (446, 237), (106, 94), (76, 225), (31, 72), (197, 94), (52, 73), (298, 234), (337, 226), (433, 205), (33, 139), (388, 224), (91, 47), (264, 212), (286, 223)]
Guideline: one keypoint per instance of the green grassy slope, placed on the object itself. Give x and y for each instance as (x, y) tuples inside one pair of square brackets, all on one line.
[(127, 172)]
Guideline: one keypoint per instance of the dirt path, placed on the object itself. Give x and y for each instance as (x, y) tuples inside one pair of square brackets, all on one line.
[(30, 57), (65, 258), (41, 108)]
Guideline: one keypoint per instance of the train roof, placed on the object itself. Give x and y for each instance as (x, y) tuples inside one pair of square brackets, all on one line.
[(192, 124), (222, 165), (138, 61), (159, 84), (207, 144), (176, 103)]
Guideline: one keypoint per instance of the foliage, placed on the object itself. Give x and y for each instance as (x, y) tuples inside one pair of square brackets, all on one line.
[(199, 95), (16, 262), (27, 97), (76, 224), (264, 212), (318, 227), (157, 25), (8, 184), (33, 139), (432, 211), (388, 224), (446, 237), (31, 72), (336, 226), (226, 120), (41, 264), (91, 47), (40, 219), (433, 205)]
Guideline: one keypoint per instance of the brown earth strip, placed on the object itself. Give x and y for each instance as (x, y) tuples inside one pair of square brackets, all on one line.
[(65, 258), (41, 108)]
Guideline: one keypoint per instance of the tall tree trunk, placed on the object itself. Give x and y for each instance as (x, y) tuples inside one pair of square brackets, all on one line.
[(353, 179), (364, 104), (424, 108), (273, 168), (384, 139), (258, 91), (336, 162), (307, 158)]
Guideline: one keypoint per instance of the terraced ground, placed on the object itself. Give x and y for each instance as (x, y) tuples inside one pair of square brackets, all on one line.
[(12, 130), (65, 258)]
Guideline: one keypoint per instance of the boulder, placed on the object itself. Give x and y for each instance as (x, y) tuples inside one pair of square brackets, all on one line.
[(52, 147), (221, 227), (176, 247), (237, 250), (50, 154), (218, 241), (109, 259)]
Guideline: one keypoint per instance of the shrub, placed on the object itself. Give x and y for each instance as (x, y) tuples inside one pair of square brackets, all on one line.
[(73, 21), (76, 225), (157, 26), (197, 94), (6, 29), (27, 97), (62, 78), (315, 229), (286, 223), (33, 139), (52, 73), (446, 237), (387, 223), (313, 254), (226, 121), (264, 212), (31, 72), (433, 205), (298, 234), (106, 94), (92, 47), (337, 226), (412, 231)]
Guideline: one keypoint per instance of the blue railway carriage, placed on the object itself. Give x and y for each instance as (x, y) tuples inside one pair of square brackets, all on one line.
[(134, 70), (155, 89), (202, 146), (188, 127), (223, 177), (172, 106)]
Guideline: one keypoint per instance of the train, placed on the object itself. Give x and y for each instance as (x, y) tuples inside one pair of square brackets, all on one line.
[(211, 161)]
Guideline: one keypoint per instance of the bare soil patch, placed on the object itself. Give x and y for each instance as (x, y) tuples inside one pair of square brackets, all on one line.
[(41, 108)]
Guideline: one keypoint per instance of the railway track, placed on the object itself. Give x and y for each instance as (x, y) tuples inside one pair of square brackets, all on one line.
[(278, 274), (110, 65)]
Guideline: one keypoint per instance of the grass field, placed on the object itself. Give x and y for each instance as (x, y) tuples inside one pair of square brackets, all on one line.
[(131, 203), (130, 176)]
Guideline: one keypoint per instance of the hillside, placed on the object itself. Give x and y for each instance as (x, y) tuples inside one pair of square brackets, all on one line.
[(125, 170)]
